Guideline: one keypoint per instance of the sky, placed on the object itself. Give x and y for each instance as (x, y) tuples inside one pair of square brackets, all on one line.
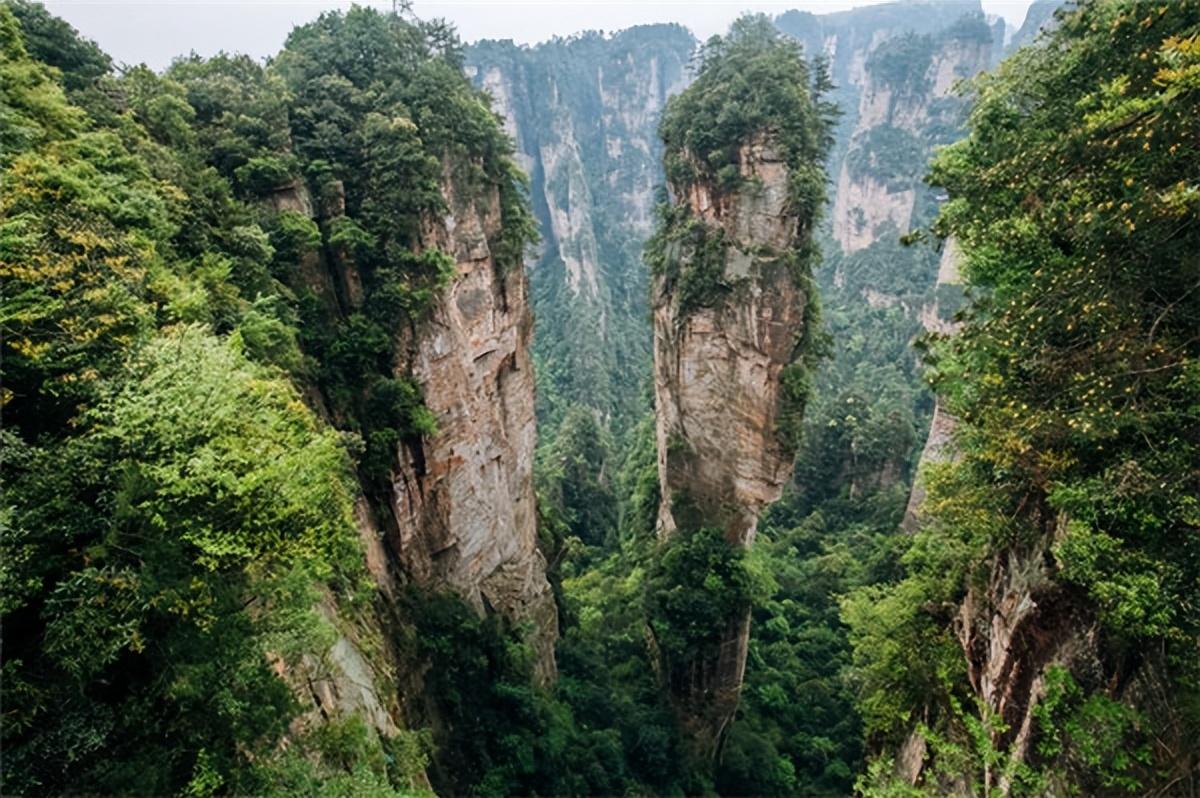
[(155, 31)]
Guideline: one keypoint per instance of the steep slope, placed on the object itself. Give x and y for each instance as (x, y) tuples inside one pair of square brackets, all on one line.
[(732, 313), (903, 113), (938, 318), (870, 410), (1052, 578), (719, 358), (216, 508), (462, 509), (450, 488), (1039, 17), (583, 112), (289, 320)]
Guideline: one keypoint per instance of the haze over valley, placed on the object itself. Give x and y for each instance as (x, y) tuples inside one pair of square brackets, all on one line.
[(441, 400)]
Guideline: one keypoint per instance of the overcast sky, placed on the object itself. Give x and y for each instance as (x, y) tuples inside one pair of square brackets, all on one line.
[(155, 31)]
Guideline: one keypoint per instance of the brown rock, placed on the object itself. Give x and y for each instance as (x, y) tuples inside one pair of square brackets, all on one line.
[(463, 498), (718, 399)]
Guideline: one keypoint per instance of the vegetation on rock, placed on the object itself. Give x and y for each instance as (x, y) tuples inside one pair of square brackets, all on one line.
[(1074, 379)]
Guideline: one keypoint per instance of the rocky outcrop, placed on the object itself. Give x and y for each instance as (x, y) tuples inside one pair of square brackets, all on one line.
[(906, 107), (462, 499), (1013, 630), (864, 206), (718, 396), (717, 369), (459, 511), (1038, 18), (938, 445)]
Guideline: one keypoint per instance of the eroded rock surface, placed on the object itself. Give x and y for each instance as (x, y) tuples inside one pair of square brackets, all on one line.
[(939, 445), (718, 395), (876, 190), (583, 113), (717, 369), (463, 499)]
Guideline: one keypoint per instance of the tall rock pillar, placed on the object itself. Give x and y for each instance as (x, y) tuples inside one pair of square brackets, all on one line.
[(718, 365), (732, 314)]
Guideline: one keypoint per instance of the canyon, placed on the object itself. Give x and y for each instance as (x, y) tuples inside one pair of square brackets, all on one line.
[(619, 414)]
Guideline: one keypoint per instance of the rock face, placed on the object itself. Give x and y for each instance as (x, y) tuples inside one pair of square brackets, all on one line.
[(898, 124), (717, 369), (936, 318), (1039, 18), (1013, 630), (462, 499), (1017, 627), (718, 395), (868, 198), (1022, 621), (583, 112), (459, 511)]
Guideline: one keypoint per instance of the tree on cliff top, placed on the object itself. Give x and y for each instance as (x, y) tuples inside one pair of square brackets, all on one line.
[(752, 85), (752, 82)]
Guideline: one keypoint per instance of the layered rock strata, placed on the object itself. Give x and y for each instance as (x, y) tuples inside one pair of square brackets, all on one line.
[(719, 398), (717, 368), (462, 499)]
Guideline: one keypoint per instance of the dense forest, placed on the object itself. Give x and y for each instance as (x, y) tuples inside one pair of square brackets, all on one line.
[(283, 513)]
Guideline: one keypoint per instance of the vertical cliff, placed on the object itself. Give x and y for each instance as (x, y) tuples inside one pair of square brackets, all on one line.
[(938, 317), (583, 112), (906, 107), (733, 310), (895, 66), (415, 310), (719, 360), (462, 499), (1061, 533), (457, 510)]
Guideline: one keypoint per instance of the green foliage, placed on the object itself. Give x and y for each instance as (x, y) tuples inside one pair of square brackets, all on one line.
[(53, 42), (969, 28), (343, 758), (690, 257), (263, 174), (171, 505), (593, 342), (1090, 734), (196, 486), (891, 155), (575, 480), (697, 586), (575, 741), (797, 732), (1073, 380), (293, 236), (902, 63), (217, 443), (751, 86), (379, 113), (751, 83), (1107, 441)]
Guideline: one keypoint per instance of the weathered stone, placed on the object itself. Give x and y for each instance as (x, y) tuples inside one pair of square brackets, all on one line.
[(864, 205), (939, 445), (462, 499), (718, 400)]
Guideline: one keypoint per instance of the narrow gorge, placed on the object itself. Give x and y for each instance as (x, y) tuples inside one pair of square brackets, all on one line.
[(807, 409)]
